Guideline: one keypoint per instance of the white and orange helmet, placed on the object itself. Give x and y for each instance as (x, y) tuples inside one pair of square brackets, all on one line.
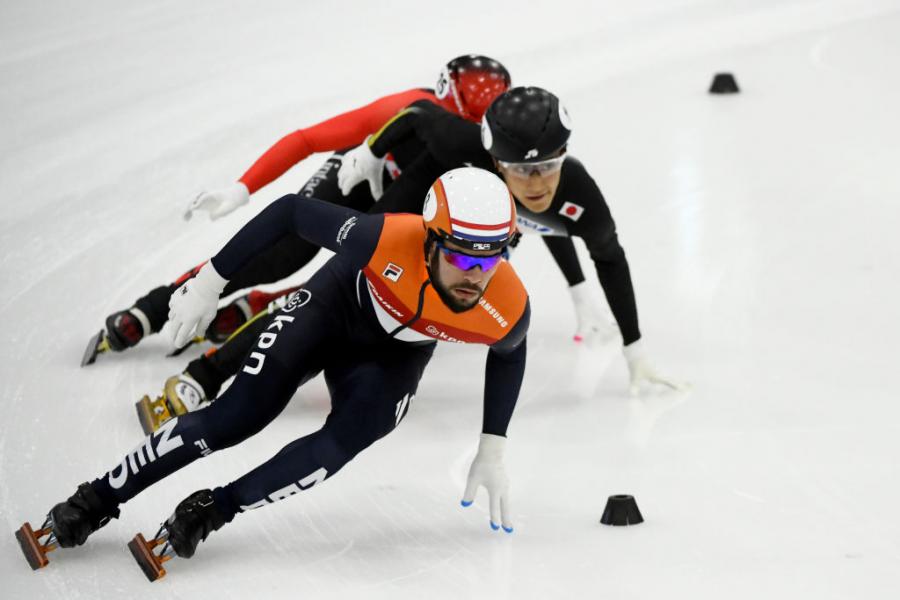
[(472, 208)]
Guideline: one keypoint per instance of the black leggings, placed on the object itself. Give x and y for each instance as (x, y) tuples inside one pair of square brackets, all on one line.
[(372, 384)]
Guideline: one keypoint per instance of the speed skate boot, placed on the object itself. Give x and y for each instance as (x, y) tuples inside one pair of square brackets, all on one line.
[(67, 525), (181, 395), (228, 319), (194, 519), (124, 329), (232, 316)]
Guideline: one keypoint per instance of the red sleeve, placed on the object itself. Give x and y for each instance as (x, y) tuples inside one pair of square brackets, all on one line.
[(342, 131)]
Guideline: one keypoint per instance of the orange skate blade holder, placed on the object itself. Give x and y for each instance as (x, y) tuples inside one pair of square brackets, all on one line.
[(35, 552), (149, 562)]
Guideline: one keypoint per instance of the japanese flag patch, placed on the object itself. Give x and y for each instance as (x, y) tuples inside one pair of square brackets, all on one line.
[(572, 211)]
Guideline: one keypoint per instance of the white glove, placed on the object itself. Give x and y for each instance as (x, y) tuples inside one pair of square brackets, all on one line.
[(589, 321), (219, 203), (360, 164), (642, 372), (193, 306), (487, 470)]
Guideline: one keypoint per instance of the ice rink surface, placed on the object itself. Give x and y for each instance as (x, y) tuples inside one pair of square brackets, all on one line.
[(761, 230)]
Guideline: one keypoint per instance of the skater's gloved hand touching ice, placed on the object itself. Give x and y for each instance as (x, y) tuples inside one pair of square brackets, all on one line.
[(360, 164), (220, 202), (487, 470), (642, 373), (589, 320), (193, 306)]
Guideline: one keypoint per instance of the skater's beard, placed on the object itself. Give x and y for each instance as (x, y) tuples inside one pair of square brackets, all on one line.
[(445, 292), (455, 303)]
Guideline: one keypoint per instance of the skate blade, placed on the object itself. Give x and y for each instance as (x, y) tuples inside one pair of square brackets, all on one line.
[(96, 345), (35, 553), (145, 414), (150, 564), (193, 342), (150, 419)]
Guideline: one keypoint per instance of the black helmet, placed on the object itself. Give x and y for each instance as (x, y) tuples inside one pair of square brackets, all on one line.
[(525, 124)]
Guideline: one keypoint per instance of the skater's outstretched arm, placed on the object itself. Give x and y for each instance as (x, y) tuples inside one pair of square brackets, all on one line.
[(504, 371), (341, 131), (342, 230), (352, 234)]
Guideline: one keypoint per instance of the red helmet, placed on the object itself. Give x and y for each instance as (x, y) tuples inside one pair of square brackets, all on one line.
[(468, 84)]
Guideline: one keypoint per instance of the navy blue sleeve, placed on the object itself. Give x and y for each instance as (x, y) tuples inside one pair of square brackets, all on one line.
[(503, 374), (511, 340), (349, 233)]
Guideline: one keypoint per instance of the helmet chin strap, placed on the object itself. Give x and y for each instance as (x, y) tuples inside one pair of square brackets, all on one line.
[(430, 248)]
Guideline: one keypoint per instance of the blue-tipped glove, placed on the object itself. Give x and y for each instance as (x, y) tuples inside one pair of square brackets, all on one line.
[(487, 470)]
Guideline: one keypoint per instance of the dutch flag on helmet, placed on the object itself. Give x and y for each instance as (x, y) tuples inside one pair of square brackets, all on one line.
[(470, 207)]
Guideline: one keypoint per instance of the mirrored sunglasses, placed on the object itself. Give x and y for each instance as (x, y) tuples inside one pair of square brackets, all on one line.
[(467, 262)]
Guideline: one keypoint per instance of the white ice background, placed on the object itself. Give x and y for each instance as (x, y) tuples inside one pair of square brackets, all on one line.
[(761, 230)]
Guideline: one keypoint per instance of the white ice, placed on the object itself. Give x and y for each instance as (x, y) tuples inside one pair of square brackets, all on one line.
[(761, 230)]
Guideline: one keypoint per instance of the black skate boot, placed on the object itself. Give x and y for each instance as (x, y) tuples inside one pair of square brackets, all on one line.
[(68, 525), (228, 319), (79, 516), (194, 519), (126, 328)]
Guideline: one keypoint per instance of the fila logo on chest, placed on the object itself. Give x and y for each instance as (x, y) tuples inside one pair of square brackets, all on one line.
[(392, 272)]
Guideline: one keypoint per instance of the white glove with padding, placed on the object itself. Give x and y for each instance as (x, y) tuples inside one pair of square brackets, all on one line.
[(360, 164), (487, 470), (193, 305), (641, 371), (220, 202)]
